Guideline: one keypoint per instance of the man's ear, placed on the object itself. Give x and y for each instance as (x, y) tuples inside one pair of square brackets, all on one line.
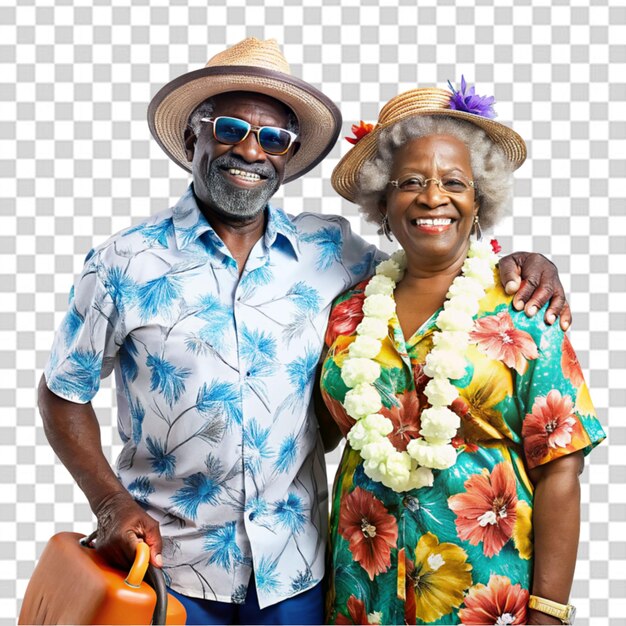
[(190, 143), (294, 148)]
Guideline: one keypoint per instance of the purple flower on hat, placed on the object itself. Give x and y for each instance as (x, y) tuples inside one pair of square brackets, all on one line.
[(468, 101)]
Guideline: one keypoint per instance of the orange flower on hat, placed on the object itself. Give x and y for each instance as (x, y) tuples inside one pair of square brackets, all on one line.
[(360, 131), (498, 338), (370, 530), (487, 510), (499, 602)]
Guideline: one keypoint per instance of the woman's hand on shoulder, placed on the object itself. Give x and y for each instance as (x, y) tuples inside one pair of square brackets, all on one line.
[(535, 280)]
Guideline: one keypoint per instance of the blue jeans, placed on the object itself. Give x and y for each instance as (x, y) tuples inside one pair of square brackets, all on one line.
[(305, 608)]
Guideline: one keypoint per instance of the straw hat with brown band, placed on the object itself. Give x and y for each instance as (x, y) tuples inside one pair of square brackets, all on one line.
[(259, 67), (418, 102)]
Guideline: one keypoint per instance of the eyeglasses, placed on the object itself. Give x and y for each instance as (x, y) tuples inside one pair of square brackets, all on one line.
[(449, 184), (232, 130)]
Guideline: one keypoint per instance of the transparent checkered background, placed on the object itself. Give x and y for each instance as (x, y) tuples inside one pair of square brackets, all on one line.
[(77, 163)]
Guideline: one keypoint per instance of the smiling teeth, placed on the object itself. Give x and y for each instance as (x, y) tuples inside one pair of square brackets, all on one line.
[(432, 222), (244, 175)]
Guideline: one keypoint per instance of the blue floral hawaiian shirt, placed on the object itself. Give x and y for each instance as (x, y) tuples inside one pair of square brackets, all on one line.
[(214, 375)]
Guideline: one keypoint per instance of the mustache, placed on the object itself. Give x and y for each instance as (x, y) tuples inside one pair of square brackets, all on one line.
[(228, 161)]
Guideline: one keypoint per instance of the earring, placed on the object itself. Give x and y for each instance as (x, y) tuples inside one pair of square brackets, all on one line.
[(476, 230), (385, 228)]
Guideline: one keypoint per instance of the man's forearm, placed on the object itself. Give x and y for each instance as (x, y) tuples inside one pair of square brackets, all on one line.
[(74, 434)]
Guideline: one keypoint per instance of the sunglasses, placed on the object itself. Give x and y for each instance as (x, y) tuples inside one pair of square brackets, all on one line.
[(232, 130)]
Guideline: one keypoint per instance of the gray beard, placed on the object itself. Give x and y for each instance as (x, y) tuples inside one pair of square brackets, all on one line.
[(242, 204)]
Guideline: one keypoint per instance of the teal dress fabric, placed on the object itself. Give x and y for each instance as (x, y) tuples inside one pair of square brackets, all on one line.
[(460, 551)]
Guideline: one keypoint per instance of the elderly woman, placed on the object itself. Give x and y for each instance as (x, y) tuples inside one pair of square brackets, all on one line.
[(457, 499)]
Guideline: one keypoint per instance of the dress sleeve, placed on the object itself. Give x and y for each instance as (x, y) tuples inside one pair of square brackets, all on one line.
[(346, 314), (557, 412), (84, 345)]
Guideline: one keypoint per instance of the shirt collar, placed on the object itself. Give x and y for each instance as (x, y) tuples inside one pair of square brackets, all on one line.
[(280, 227), (190, 224)]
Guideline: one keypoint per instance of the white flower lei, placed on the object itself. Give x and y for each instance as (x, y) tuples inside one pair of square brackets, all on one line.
[(412, 469)]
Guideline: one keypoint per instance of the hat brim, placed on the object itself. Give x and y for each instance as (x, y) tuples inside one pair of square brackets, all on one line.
[(319, 118), (345, 176)]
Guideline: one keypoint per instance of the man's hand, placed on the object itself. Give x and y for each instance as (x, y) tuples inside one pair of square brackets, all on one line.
[(536, 280), (122, 523)]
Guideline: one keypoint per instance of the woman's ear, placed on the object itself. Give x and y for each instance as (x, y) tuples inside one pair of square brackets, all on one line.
[(384, 229), (190, 143)]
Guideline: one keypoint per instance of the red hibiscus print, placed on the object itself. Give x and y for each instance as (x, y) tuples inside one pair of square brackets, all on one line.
[(356, 611), (486, 511), (460, 406), (360, 130), (370, 530), (346, 316), (462, 409), (570, 364), (458, 442), (498, 338), (421, 380), (342, 419), (551, 425), (499, 602), (405, 419)]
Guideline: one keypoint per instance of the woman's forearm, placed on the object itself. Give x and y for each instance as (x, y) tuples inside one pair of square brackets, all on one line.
[(556, 524)]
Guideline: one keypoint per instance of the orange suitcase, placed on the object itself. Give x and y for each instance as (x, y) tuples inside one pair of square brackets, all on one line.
[(72, 584)]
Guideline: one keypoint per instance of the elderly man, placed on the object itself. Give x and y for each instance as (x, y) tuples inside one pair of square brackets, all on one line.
[(212, 315)]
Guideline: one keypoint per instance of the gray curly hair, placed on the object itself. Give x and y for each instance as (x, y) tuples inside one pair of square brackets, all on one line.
[(491, 170)]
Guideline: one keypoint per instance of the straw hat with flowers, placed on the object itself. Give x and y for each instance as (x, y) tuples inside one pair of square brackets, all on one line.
[(259, 67), (432, 101)]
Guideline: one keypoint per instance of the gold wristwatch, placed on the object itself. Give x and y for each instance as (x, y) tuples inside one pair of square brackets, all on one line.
[(565, 612)]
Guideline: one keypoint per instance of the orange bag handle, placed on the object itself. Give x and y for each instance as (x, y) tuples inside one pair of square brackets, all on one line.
[(139, 567), (155, 579)]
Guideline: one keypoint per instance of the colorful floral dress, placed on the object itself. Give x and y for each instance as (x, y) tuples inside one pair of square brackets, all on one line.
[(459, 551)]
